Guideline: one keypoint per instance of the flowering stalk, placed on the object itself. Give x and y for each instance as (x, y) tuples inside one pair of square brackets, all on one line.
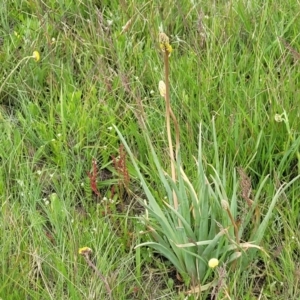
[(167, 49), (35, 56), (86, 252)]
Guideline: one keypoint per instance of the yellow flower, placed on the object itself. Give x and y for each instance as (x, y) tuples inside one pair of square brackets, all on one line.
[(213, 262), (36, 56), (162, 88), (84, 250), (164, 43)]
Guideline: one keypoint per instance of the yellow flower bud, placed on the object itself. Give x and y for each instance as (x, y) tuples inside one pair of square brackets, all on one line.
[(85, 250), (213, 262), (163, 38), (36, 56)]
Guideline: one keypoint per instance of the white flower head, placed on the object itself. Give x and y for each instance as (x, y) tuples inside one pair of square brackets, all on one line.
[(278, 118)]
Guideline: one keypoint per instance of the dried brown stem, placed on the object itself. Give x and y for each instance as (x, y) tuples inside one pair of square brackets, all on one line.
[(98, 273), (168, 114)]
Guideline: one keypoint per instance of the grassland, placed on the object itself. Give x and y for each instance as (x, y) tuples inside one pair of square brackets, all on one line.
[(66, 181)]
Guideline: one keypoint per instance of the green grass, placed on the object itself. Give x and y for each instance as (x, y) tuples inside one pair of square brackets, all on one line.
[(57, 114)]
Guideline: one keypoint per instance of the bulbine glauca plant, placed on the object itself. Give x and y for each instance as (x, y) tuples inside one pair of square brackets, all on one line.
[(198, 226)]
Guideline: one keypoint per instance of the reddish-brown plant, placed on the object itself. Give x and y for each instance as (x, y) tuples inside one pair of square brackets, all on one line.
[(119, 164), (93, 178)]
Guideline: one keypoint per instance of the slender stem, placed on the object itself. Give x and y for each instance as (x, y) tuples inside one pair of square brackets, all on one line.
[(168, 113), (236, 230), (176, 125), (12, 71), (102, 278), (291, 137)]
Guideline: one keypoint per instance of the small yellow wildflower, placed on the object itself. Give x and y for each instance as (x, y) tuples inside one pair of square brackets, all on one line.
[(213, 262), (85, 250), (162, 88), (36, 56)]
